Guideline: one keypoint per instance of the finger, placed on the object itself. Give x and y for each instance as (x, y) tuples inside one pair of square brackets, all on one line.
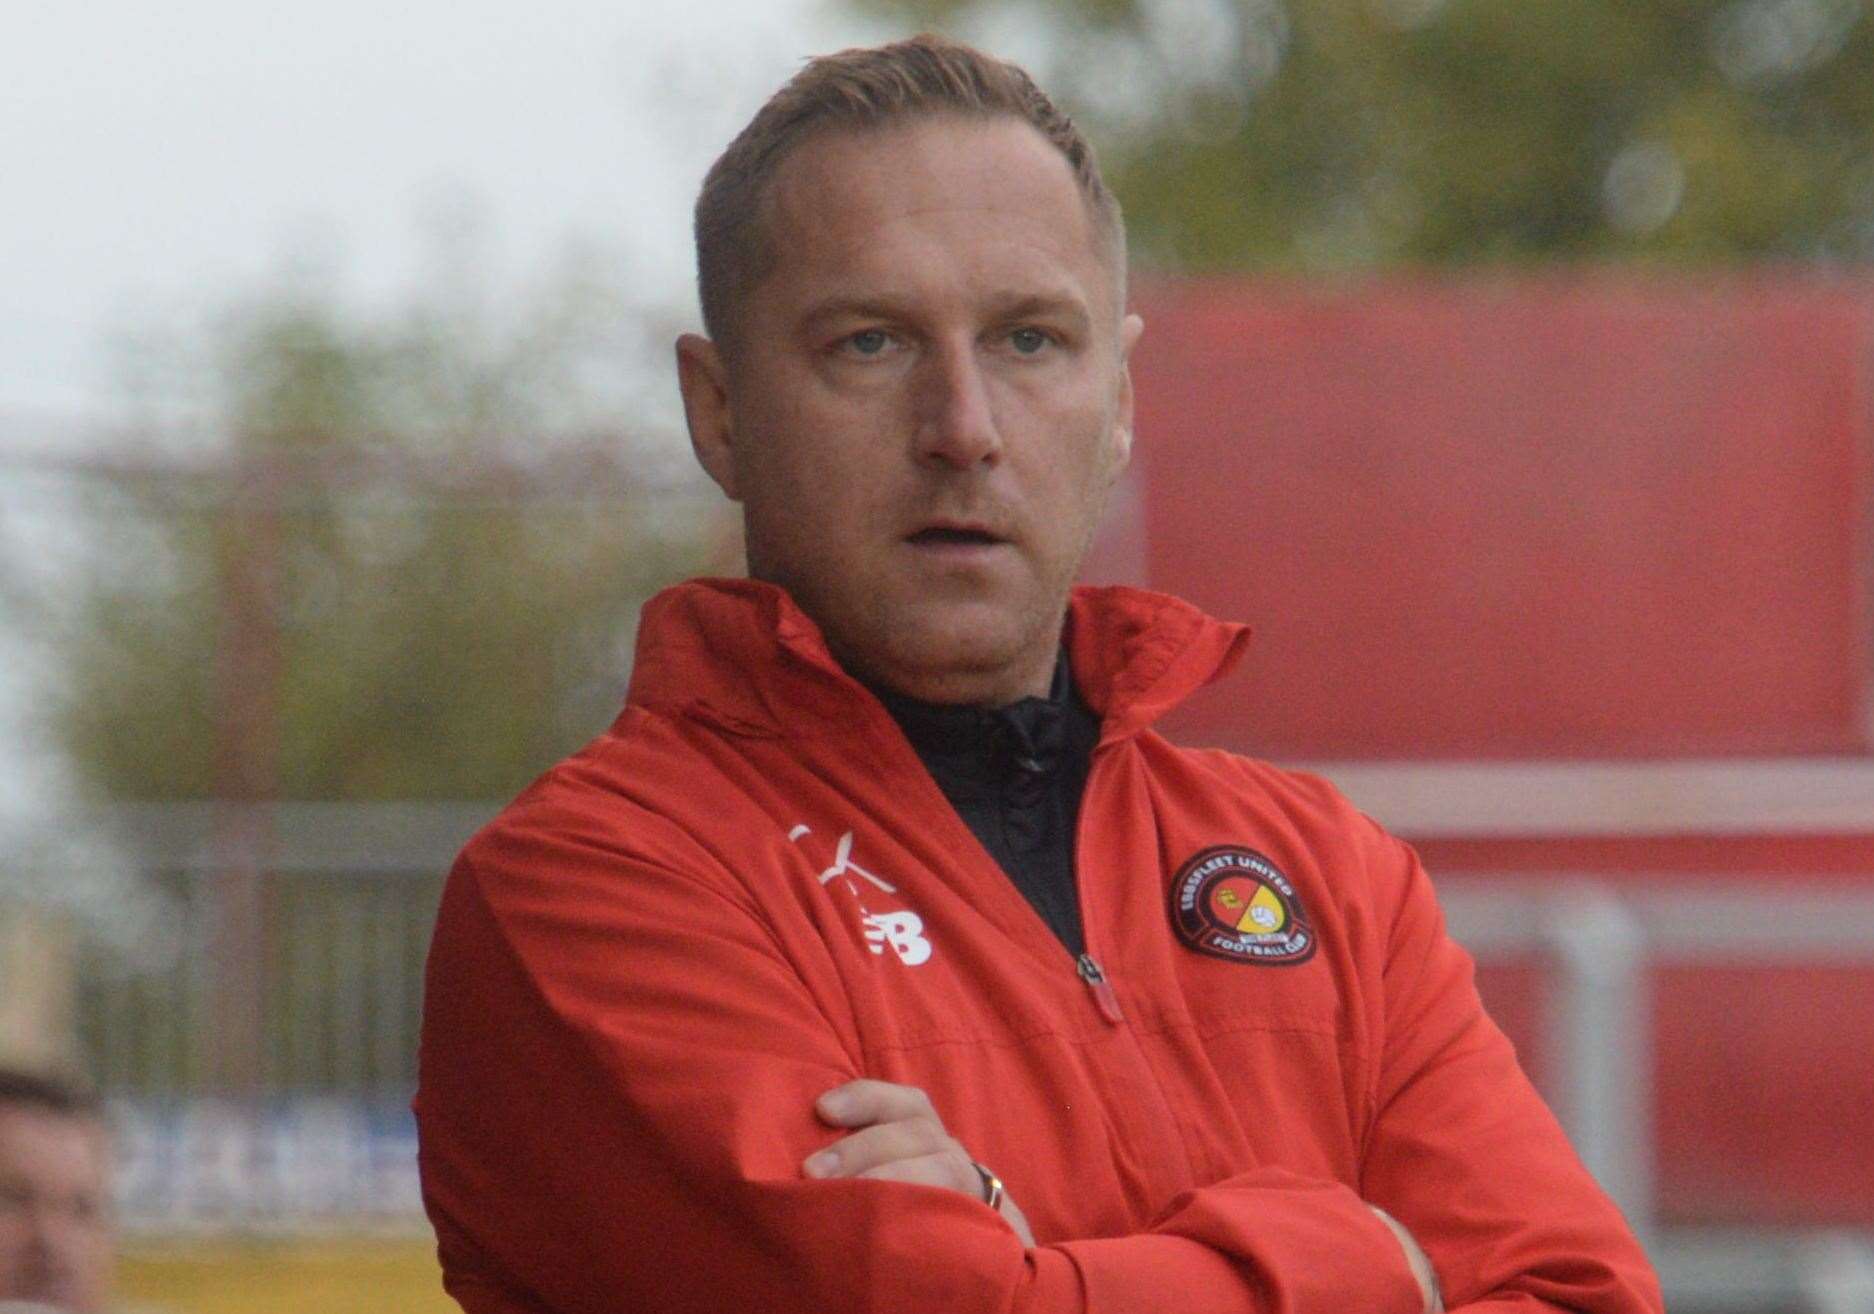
[(865, 1101), (959, 1174), (880, 1143), (950, 1170)]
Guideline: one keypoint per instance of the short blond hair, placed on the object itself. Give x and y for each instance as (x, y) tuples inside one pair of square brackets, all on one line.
[(856, 90)]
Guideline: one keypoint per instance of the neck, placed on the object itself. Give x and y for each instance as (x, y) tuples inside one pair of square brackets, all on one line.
[(1057, 689), (962, 688)]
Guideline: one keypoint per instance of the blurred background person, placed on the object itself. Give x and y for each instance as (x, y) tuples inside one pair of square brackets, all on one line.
[(57, 1240)]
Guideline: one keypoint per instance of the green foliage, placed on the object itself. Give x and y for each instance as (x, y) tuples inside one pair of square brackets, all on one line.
[(1350, 134), (368, 584)]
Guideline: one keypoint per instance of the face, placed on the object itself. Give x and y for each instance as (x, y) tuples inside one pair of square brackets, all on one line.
[(56, 1246), (927, 401)]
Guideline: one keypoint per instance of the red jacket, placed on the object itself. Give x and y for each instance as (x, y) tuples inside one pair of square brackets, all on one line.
[(749, 891)]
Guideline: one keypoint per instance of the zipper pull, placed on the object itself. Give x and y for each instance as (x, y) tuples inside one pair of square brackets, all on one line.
[(1102, 989)]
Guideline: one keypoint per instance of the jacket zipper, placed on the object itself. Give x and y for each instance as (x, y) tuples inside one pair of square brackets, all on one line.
[(1103, 995), (1106, 999)]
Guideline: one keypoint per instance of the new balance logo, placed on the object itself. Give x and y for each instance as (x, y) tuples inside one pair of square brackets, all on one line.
[(903, 931)]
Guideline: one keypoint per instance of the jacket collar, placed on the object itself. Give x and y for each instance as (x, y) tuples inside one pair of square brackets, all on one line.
[(741, 655), (987, 749)]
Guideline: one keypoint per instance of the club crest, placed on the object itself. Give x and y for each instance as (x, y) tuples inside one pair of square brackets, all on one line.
[(1231, 902)]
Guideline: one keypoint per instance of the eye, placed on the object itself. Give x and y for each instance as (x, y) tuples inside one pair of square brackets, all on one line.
[(868, 342), (1028, 341)]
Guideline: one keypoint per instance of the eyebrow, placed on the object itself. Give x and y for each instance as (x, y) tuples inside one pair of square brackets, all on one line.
[(840, 307), (1025, 305), (1047, 305)]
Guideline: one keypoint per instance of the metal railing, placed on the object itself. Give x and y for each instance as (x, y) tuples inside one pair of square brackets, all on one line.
[(1601, 948), (344, 922)]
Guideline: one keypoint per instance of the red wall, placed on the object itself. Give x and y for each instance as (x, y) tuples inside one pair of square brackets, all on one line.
[(1539, 519), (1556, 519)]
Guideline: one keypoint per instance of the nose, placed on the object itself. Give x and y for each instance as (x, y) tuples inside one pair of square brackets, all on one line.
[(42, 1231), (49, 1235), (956, 421)]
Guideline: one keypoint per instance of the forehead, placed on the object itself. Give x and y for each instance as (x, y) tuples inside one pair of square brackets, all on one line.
[(935, 200)]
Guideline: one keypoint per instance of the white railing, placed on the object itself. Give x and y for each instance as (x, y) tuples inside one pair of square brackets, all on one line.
[(1600, 947)]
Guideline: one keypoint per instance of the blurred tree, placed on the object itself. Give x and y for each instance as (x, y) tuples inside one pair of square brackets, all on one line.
[(1347, 134), (407, 564)]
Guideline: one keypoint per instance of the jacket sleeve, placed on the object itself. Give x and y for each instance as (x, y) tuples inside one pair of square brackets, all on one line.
[(618, 1065), (1467, 1156)]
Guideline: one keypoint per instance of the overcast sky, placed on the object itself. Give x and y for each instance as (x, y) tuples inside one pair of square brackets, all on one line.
[(163, 157), (157, 161)]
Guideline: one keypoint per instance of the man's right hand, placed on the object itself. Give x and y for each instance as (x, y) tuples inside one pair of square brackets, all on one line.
[(900, 1138)]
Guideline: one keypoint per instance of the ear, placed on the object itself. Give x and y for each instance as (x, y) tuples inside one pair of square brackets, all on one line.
[(704, 383), (1129, 330)]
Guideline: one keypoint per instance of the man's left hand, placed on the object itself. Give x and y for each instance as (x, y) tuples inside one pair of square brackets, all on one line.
[(900, 1138)]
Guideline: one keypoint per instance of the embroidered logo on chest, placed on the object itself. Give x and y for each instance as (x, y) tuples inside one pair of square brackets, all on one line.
[(899, 929), (1231, 902)]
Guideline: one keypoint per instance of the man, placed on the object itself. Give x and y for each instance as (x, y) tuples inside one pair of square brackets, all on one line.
[(57, 1250), (880, 956)]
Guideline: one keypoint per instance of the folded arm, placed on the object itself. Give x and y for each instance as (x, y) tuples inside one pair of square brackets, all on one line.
[(1465, 1154), (619, 1076)]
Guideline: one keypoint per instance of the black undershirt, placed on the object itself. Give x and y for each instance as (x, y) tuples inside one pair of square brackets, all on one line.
[(1015, 775)]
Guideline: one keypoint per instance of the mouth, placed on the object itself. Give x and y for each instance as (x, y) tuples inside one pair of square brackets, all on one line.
[(954, 535)]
